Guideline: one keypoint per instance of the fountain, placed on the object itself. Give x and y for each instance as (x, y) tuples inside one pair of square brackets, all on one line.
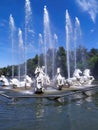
[(12, 27), (28, 25), (47, 37), (21, 54), (77, 37), (40, 48), (28, 20), (41, 82), (54, 55), (68, 29), (20, 83)]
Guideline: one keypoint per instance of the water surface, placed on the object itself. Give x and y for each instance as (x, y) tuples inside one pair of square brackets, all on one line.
[(44, 114)]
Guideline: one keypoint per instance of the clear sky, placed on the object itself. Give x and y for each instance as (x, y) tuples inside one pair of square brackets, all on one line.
[(85, 10)]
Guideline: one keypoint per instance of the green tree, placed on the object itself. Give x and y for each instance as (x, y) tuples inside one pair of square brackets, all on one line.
[(32, 63), (61, 60), (93, 62)]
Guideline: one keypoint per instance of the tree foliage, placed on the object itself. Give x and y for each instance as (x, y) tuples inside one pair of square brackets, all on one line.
[(85, 59)]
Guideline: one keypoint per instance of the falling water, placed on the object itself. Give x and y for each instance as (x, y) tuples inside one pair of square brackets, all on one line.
[(47, 36), (28, 21), (40, 48), (68, 29), (77, 37), (21, 53), (12, 27)]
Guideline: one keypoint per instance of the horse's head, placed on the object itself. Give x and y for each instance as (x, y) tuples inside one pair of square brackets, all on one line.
[(77, 73), (2, 77), (37, 70), (86, 72), (58, 70), (28, 79)]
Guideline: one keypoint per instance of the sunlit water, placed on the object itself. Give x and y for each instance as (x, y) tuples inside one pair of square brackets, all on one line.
[(12, 28), (45, 114)]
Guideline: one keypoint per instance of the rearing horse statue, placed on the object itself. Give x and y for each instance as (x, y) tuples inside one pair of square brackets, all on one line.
[(87, 79), (76, 79)]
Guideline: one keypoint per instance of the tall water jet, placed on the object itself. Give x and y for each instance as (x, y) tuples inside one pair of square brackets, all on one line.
[(54, 55), (40, 48), (55, 40), (68, 29), (47, 36), (28, 22), (77, 38), (21, 53), (12, 28)]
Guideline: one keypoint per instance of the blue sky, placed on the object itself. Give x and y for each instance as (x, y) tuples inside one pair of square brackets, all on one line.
[(85, 10)]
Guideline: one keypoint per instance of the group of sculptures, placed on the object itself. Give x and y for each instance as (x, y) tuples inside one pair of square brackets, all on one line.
[(42, 80)]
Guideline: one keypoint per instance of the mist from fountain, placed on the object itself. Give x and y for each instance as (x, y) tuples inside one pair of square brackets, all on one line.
[(28, 22), (12, 28), (68, 30), (21, 54), (77, 38), (47, 36)]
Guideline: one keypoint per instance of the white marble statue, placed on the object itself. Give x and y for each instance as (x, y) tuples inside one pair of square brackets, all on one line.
[(41, 79), (27, 82), (80, 80), (4, 80), (75, 80), (59, 79), (87, 79)]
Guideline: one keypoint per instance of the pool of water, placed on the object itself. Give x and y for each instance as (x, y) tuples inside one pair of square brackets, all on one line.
[(45, 114)]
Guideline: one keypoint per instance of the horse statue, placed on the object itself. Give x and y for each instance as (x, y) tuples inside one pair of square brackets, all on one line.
[(27, 82), (76, 79), (77, 73), (16, 83), (4, 80), (87, 79)]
